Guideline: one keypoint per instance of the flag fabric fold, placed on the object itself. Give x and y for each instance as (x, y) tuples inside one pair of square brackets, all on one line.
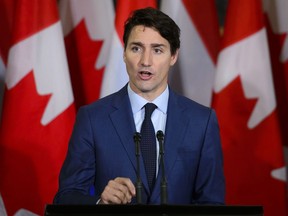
[(88, 38), (38, 109), (277, 27), (193, 74), (245, 103)]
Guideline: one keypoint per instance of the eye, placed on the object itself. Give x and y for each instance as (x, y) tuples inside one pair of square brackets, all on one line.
[(158, 50), (135, 49)]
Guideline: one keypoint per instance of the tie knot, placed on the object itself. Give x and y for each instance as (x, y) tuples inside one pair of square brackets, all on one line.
[(149, 108)]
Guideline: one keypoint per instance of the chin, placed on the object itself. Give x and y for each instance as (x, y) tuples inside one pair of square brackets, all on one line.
[(145, 88)]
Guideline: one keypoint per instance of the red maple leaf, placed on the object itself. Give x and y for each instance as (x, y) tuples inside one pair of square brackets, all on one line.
[(82, 53), (31, 154), (249, 154)]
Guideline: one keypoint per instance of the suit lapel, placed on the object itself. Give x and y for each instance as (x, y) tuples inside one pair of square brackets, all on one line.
[(176, 126), (122, 119)]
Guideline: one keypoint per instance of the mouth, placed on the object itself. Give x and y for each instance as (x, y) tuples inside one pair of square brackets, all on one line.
[(145, 75)]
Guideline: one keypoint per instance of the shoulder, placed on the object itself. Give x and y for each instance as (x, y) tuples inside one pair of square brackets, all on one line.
[(191, 110), (188, 105), (108, 103)]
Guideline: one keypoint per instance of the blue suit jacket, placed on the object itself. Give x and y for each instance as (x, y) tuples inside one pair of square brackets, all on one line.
[(102, 148)]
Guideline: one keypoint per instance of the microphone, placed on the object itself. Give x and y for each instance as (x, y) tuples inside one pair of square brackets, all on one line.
[(137, 139), (160, 138)]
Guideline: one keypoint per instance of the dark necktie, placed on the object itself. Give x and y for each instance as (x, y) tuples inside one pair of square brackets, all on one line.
[(148, 144)]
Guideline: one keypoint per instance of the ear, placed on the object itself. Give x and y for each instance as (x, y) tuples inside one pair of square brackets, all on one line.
[(124, 56), (174, 58)]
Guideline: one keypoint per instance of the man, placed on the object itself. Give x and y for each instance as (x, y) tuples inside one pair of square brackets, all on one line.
[(101, 151)]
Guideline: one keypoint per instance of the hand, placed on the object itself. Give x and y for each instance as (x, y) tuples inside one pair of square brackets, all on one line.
[(118, 191)]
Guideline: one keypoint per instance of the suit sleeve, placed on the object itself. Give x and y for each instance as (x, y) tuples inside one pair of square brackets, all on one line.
[(210, 182), (78, 170)]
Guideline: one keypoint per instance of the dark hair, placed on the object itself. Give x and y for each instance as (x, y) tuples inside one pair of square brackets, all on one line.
[(156, 19)]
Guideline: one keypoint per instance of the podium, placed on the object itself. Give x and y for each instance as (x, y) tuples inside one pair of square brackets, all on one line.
[(152, 210)]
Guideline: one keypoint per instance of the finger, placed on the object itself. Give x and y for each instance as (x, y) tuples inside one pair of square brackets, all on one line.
[(109, 195), (116, 192), (122, 192), (124, 197), (128, 183)]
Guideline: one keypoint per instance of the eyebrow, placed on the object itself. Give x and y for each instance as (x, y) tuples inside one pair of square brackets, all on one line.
[(153, 44)]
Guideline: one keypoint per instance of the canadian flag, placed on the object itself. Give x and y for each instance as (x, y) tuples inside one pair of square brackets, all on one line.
[(38, 109), (115, 75), (88, 28), (246, 107), (277, 25), (193, 75)]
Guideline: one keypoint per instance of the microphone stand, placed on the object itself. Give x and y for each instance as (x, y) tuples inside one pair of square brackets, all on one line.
[(160, 137), (137, 139)]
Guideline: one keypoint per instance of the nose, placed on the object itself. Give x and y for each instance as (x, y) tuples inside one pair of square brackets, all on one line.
[(146, 58)]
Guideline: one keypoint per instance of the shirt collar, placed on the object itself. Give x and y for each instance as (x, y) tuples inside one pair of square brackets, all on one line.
[(137, 102)]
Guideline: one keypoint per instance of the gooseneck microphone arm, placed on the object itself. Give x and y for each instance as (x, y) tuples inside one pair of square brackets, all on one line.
[(160, 138), (137, 139)]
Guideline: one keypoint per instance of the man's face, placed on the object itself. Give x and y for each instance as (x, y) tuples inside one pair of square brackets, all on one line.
[(148, 60)]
